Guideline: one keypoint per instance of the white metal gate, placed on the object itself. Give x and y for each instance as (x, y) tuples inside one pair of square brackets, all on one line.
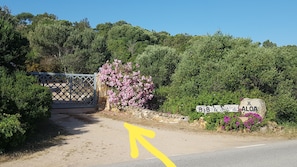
[(70, 90)]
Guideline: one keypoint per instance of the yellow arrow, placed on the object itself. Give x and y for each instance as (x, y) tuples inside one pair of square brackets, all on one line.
[(136, 134)]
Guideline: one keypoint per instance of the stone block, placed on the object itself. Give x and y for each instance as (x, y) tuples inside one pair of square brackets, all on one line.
[(248, 105)]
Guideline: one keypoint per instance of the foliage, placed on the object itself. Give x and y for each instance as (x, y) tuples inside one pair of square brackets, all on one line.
[(218, 98), (159, 62), (180, 42), (285, 107), (230, 121), (23, 104), (128, 87), (211, 69), (49, 39), (11, 131), (184, 105), (13, 46), (79, 49), (125, 41), (195, 115), (213, 120), (99, 55), (253, 122), (220, 69)]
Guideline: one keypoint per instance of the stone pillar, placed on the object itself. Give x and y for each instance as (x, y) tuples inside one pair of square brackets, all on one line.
[(101, 90), (248, 105)]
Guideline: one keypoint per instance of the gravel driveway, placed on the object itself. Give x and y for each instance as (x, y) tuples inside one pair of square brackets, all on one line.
[(98, 139)]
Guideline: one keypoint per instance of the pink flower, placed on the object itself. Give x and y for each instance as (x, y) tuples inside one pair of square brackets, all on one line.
[(128, 87)]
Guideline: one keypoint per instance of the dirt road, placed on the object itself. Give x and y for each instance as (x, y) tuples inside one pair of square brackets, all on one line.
[(96, 140)]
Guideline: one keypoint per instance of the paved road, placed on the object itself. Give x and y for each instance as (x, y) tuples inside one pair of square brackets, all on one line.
[(280, 154)]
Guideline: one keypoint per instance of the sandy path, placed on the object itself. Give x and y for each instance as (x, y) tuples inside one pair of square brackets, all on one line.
[(96, 140)]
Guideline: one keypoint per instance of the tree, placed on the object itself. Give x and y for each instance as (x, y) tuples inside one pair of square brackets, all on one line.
[(78, 44), (43, 19), (180, 42), (268, 44), (204, 63), (25, 18), (124, 41), (48, 39), (159, 62), (104, 28), (100, 54), (13, 46), (83, 24)]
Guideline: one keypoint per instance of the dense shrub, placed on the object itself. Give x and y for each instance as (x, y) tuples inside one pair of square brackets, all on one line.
[(177, 105), (218, 98), (213, 120), (230, 121), (187, 104), (13, 46), (127, 86), (11, 131), (23, 104), (285, 107), (195, 116), (253, 122), (159, 62)]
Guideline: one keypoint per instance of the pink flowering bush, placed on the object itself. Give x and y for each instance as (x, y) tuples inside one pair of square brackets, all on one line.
[(253, 121), (127, 86), (233, 122)]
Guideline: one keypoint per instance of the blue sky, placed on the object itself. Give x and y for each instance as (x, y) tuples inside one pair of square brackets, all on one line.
[(259, 20)]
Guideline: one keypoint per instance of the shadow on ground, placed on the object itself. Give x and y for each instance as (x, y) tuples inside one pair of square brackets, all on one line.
[(53, 132), (74, 120)]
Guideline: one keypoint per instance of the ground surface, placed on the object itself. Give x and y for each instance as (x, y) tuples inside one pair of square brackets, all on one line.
[(100, 138)]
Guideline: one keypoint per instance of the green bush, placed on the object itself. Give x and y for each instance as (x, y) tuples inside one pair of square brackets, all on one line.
[(184, 105), (11, 131), (195, 116), (285, 107), (23, 104), (213, 120), (218, 98)]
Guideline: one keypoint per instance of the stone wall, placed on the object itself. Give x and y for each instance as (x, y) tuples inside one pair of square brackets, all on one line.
[(156, 116)]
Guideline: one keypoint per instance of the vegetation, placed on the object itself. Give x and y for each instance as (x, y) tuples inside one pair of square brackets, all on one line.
[(187, 70), (127, 86), (23, 102)]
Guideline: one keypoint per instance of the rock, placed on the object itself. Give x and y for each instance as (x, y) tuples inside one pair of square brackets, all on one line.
[(243, 119), (194, 123), (264, 129), (248, 105), (202, 123), (272, 126), (154, 115), (219, 129)]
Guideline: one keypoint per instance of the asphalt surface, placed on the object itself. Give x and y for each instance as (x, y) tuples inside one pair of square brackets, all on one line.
[(279, 154)]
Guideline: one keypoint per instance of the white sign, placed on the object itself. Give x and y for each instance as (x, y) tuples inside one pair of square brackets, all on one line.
[(217, 108)]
